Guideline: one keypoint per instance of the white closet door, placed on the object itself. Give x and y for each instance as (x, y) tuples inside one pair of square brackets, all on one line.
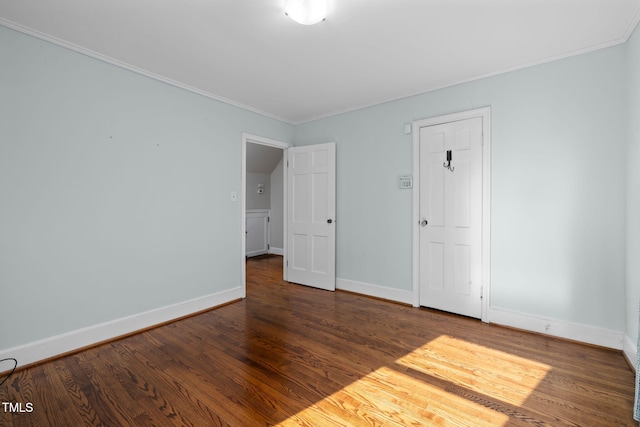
[(257, 233), (451, 217)]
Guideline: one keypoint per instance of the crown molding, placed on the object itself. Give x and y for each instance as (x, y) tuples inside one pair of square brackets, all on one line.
[(105, 58), (624, 37)]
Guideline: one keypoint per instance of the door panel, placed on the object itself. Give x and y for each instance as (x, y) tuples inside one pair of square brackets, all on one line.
[(435, 207), (451, 202), (435, 268), (257, 233), (300, 212), (311, 213), (463, 187), (320, 245), (298, 256), (320, 191), (462, 271)]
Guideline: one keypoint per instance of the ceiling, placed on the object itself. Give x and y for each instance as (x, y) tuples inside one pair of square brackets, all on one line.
[(248, 53), (262, 158)]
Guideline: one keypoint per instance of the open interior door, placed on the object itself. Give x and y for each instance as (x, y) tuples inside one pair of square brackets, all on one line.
[(311, 222)]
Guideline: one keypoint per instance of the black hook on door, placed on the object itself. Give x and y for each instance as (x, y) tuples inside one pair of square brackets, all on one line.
[(447, 164)]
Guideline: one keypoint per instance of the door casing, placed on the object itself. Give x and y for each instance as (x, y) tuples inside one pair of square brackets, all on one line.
[(485, 114)]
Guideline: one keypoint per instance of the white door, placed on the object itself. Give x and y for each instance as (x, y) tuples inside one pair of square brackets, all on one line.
[(451, 217), (311, 207), (257, 233)]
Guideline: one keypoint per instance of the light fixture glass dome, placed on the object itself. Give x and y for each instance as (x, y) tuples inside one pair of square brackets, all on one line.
[(306, 12)]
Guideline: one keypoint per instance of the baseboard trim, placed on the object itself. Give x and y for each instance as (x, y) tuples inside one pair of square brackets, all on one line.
[(48, 348), (547, 326), (58, 345), (276, 251), (377, 291), (255, 253), (558, 328)]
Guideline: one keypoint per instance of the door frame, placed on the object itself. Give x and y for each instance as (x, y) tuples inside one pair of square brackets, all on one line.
[(255, 139), (485, 114)]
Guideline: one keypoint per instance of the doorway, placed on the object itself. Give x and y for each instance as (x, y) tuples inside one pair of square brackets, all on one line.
[(309, 191), (451, 213), (262, 158)]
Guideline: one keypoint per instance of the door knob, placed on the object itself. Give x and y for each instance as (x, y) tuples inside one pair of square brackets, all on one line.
[(424, 222), (329, 221)]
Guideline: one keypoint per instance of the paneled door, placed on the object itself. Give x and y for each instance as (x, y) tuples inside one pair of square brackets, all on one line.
[(450, 276), (311, 222)]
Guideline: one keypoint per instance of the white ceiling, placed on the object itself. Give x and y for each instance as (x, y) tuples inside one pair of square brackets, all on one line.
[(248, 53)]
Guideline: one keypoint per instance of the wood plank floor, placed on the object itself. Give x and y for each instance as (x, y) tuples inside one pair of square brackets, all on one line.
[(292, 355)]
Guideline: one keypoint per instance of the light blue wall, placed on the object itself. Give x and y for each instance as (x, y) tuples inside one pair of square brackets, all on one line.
[(633, 188), (114, 191), (558, 186)]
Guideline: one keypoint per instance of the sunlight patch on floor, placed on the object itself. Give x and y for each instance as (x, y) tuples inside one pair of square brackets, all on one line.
[(490, 372), (392, 398)]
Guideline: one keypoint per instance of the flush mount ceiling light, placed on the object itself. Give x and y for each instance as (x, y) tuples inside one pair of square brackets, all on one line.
[(306, 12)]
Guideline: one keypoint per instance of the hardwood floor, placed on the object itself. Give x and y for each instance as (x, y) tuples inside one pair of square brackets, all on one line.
[(293, 355)]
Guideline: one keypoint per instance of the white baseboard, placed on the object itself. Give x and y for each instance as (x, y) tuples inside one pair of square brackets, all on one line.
[(554, 327), (391, 294), (558, 328), (630, 351), (276, 251), (256, 253), (64, 343)]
